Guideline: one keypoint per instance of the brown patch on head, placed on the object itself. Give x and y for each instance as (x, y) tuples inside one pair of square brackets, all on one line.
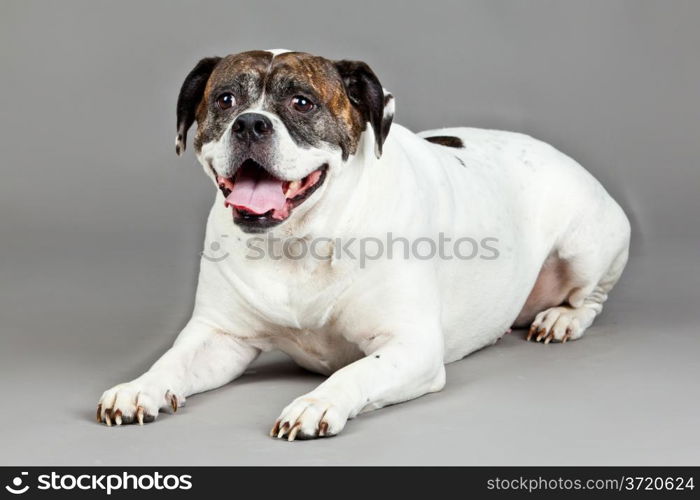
[(324, 78), (335, 120), (240, 74)]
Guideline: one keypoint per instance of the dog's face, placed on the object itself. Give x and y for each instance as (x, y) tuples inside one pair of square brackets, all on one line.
[(271, 125)]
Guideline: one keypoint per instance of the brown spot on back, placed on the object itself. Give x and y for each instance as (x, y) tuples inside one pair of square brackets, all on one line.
[(446, 140)]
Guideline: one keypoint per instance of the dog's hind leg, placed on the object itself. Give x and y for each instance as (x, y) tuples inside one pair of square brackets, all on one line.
[(570, 320), (586, 266)]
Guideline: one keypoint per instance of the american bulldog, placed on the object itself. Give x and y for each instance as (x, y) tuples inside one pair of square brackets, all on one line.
[(302, 149)]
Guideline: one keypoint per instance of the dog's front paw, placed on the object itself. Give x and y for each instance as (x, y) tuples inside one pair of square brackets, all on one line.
[(309, 417), (138, 401)]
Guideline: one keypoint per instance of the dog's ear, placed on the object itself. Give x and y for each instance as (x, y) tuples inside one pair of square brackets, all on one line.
[(191, 94), (367, 95)]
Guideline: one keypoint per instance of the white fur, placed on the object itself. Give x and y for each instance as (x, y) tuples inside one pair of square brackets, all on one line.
[(276, 52), (384, 333)]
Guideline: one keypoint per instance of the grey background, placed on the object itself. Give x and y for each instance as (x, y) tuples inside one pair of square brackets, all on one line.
[(101, 225)]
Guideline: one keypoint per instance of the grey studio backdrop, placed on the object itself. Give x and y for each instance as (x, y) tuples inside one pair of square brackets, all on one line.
[(102, 225)]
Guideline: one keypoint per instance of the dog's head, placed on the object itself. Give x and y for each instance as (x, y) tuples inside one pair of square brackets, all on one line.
[(272, 125)]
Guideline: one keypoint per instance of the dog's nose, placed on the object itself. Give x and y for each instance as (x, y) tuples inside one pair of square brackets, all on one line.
[(251, 127)]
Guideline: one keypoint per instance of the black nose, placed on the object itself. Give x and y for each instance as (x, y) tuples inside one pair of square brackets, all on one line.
[(251, 127)]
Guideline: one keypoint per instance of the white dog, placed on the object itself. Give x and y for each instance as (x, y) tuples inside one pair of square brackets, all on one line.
[(302, 149)]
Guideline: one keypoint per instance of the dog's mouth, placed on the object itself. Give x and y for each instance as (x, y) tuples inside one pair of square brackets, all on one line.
[(260, 200)]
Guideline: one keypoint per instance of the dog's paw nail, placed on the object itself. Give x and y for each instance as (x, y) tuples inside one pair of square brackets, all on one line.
[(118, 417), (294, 431), (275, 429), (99, 413), (530, 333), (567, 335), (322, 428), (283, 430)]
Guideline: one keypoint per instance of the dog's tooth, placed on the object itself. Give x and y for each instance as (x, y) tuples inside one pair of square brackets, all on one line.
[(293, 186)]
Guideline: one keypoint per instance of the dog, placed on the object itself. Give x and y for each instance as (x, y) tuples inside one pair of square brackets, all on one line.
[(302, 148)]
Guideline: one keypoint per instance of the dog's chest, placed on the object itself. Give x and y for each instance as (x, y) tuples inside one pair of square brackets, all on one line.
[(298, 295), (323, 350), (292, 307)]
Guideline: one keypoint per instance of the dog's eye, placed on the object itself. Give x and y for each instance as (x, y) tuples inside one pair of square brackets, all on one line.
[(302, 104), (225, 101)]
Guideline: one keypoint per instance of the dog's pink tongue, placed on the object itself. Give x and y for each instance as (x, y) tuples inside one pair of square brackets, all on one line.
[(256, 192)]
